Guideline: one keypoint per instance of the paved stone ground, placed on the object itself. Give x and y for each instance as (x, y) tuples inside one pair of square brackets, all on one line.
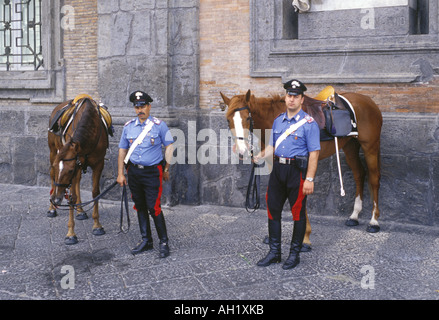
[(213, 255)]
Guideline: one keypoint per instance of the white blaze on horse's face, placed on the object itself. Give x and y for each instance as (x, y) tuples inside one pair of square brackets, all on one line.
[(61, 167), (239, 134)]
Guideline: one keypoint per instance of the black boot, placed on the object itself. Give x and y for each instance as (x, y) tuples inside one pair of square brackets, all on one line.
[(274, 234), (145, 231), (160, 226), (296, 244)]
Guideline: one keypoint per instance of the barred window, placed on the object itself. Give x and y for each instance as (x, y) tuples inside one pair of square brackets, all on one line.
[(20, 35)]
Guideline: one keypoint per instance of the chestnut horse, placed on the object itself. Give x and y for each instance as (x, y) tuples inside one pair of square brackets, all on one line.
[(263, 111), (82, 143)]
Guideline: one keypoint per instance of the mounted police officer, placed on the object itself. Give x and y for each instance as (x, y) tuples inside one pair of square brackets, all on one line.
[(295, 146), (140, 151)]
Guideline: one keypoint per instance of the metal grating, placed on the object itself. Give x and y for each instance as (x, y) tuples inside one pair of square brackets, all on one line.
[(20, 35)]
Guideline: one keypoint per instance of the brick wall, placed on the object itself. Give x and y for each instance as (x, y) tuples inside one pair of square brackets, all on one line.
[(80, 50), (225, 65), (225, 52)]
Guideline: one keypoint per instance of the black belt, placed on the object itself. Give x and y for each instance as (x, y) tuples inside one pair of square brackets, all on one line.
[(139, 166), (284, 160)]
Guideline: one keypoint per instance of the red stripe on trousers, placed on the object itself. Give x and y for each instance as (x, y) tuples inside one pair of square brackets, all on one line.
[(268, 209), (295, 210), (158, 206)]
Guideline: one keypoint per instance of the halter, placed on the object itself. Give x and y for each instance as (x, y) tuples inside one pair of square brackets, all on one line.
[(78, 164), (248, 119), (252, 201), (250, 137)]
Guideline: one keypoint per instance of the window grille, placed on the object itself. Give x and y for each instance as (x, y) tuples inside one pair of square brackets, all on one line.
[(20, 35)]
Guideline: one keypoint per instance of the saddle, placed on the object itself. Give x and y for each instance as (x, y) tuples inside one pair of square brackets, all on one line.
[(334, 114), (64, 116)]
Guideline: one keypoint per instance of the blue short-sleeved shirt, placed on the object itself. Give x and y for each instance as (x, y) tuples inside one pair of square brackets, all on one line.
[(301, 142), (149, 152)]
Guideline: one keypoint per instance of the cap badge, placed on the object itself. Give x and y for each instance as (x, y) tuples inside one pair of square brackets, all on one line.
[(139, 95), (295, 84)]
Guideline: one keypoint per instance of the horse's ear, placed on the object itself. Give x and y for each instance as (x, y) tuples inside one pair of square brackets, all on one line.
[(225, 99), (248, 95)]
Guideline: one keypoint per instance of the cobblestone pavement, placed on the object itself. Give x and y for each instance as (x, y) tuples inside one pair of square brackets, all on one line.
[(214, 251)]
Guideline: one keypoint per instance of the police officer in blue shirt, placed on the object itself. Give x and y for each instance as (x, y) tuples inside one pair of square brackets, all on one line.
[(295, 146), (146, 169)]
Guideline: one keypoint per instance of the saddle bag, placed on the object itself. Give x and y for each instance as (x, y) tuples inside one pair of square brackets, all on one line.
[(338, 121)]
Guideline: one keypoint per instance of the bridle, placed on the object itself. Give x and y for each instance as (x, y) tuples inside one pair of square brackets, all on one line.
[(78, 164), (250, 136), (252, 201)]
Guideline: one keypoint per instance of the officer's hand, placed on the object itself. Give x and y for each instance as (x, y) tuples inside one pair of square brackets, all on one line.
[(121, 180), (308, 188), (258, 159), (166, 176)]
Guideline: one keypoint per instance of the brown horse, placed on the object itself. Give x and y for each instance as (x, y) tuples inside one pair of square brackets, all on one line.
[(80, 143), (263, 111)]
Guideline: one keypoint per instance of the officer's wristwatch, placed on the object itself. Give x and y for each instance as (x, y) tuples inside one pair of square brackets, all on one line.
[(166, 170), (310, 179)]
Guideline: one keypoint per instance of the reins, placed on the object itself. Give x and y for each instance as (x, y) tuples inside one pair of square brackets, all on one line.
[(123, 204)]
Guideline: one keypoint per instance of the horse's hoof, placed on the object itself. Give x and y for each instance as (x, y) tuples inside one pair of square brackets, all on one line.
[(81, 216), (71, 240), (306, 247), (373, 228), (98, 231), (266, 240), (352, 223), (51, 213)]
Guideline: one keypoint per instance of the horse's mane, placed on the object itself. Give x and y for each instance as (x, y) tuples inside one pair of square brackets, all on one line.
[(267, 103), (83, 125), (276, 104)]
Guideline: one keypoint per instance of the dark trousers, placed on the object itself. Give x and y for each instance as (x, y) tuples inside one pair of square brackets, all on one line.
[(285, 183), (146, 188)]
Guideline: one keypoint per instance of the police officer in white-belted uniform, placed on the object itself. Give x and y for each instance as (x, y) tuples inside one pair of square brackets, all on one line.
[(140, 152)]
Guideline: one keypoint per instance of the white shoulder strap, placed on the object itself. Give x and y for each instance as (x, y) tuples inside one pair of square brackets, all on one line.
[(289, 131), (139, 140)]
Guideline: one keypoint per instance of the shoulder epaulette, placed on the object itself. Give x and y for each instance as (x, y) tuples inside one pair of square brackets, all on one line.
[(129, 122), (280, 114), (309, 119), (156, 121)]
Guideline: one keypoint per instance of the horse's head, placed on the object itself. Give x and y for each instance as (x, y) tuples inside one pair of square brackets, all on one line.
[(239, 119), (64, 168)]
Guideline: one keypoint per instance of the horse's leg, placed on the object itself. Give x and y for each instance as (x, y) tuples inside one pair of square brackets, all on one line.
[(71, 237), (80, 214), (373, 160), (51, 213), (351, 150), (306, 245), (98, 230)]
